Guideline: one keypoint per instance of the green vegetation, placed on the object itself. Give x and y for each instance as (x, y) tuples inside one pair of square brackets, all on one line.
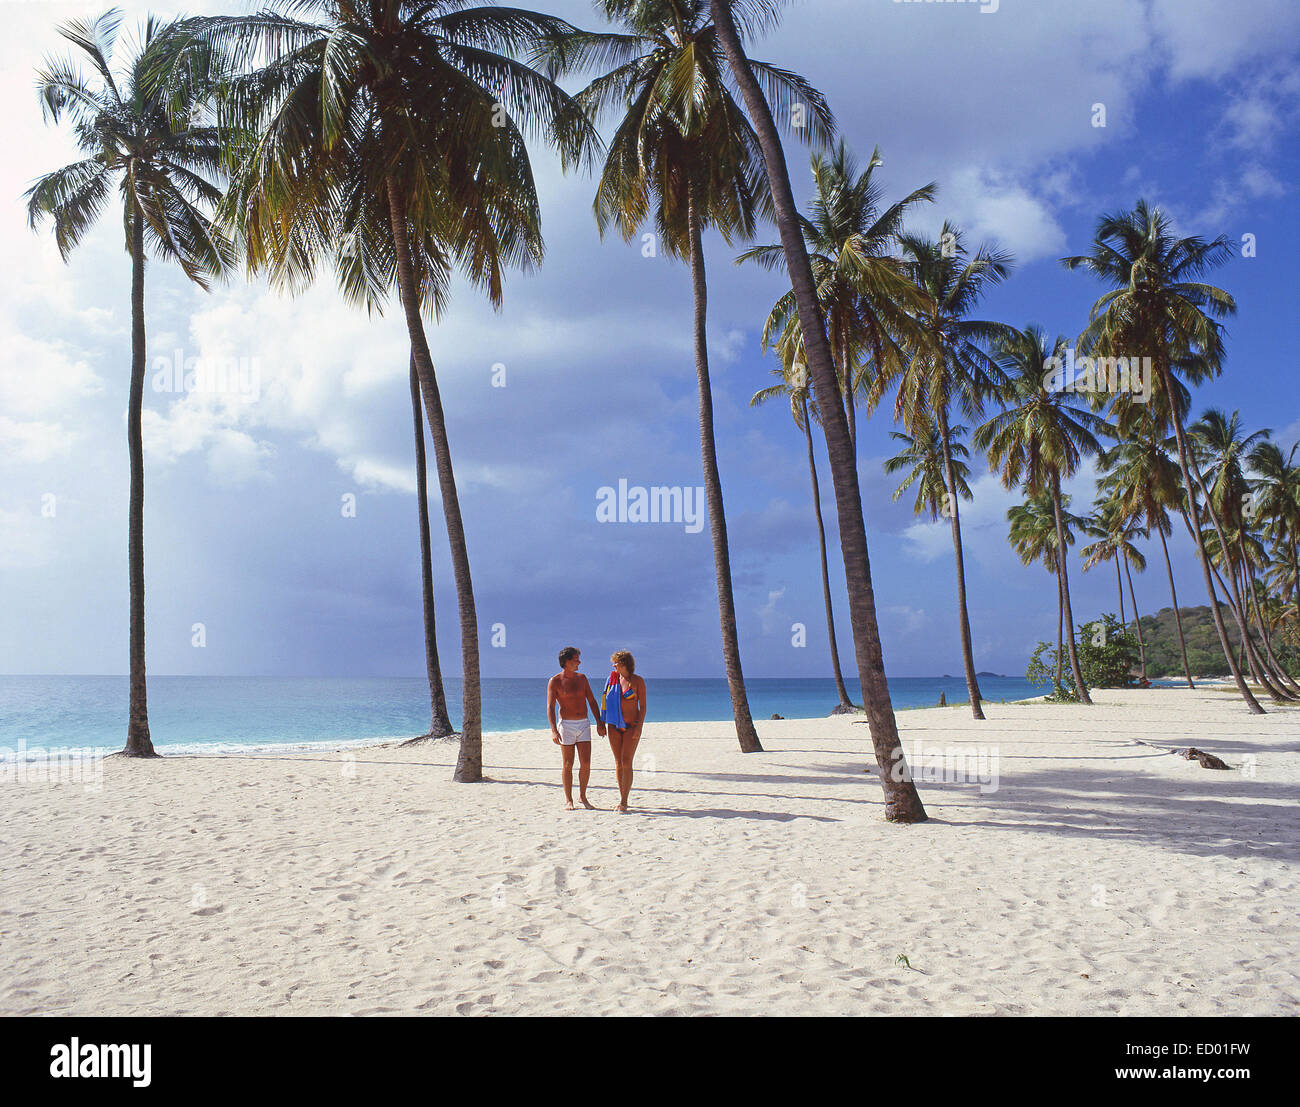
[(1204, 655)]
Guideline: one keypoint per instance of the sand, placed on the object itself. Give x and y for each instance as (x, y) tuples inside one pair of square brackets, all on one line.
[(1102, 876)]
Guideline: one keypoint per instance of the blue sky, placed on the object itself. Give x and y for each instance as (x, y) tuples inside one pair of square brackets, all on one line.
[(244, 528)]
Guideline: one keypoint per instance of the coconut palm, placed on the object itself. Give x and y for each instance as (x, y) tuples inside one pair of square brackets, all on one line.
[(1275, 500), (794, 386), (1158, 307), (947, 364), (389, 141), (148, 135), (732, 18), (1034, 536), (921, 459), (863, 287), (439, 721), (684, 155), (1115, 532), (1220, 447), (1039, 439), (1140, 475)]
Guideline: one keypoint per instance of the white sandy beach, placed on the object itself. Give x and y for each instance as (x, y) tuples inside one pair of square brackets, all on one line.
[(1104, 876)]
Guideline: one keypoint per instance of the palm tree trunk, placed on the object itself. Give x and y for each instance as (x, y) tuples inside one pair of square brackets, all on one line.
[(902, 801), (138, 740), (850, 399), (1280, 675), (469, 763), (1119, 585), (1295, 576), (1137, 619), (1173, 599), (1079, 687), (745, 731), (841, 691), (1237, 601), (1181, 439), (1246, 658), (963, 618), (1060, 628), (439, 721)]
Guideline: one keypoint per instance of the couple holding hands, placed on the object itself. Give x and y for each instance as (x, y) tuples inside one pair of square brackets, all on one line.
[(621, 711)]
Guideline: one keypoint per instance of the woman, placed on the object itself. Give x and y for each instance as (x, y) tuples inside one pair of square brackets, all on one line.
[(624, 714)]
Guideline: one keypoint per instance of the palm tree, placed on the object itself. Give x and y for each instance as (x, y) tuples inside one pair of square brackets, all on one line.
[(922, 459), (902, 801), (794, 386), (388, 139), (1039, 439), (149, 136), (1276, 502), (864, 289), (948, 364), (1158, 307), (1034, 536), (1141, 476), (1219, 450), (1115, 532), (439, 721), (685, 154)]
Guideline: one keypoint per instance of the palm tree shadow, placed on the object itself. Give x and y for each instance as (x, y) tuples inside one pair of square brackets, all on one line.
[(729, 813), (1204, 818)]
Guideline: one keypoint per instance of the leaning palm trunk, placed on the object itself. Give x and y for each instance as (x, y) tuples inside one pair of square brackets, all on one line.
[(1119, 586), (1173, 599), (1137, 619), (1247, 658), (1064, 582), (745, 731), (469, 763), (963, 618), (1236, 600), (826, 576), (439, 721), (1280, 674), (138, 741), (850, 400), (1197, 537), (1060, 628), (902, 801)]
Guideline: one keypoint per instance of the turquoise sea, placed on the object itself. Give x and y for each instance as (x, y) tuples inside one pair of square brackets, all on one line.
[(239, 714)]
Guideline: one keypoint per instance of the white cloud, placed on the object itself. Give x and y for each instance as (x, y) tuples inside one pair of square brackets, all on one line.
[(989, 205), (1210, 38), (32, 441), (769, 617)]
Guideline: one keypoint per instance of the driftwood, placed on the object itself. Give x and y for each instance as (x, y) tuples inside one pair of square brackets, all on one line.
[(1207, 760)]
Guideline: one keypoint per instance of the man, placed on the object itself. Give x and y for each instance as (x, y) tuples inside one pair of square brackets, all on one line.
[(569, 689)]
